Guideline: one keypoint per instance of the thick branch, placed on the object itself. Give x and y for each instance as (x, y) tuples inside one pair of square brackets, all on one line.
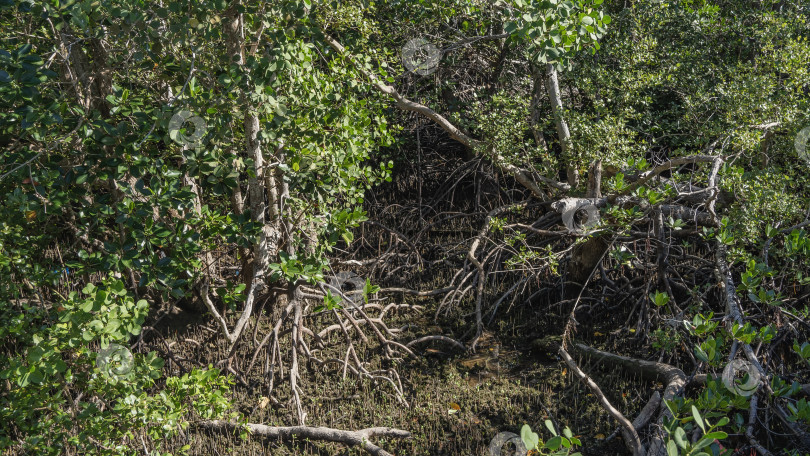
[(644, 177)]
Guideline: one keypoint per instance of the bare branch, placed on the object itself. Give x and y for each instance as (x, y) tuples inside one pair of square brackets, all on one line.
[(359, 438)]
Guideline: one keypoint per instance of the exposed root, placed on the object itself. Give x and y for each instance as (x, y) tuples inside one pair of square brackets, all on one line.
[(361, 438), (631, 438)]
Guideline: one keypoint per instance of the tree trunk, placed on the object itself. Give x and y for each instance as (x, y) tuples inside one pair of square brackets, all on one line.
[(553, 89)]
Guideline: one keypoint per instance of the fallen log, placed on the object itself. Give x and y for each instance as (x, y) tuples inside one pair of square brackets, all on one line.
[(359, 438)]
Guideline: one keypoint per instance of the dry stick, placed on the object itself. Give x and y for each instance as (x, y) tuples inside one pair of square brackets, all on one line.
[(360, 371), (275, 332), (563, 134), (385, 310), (569, 325), (343, 310), (401, 236), (355, 324), (733, 305), (595, 180), (383, 339), (713, 187), (631, 438), (503, 297), (348, 341), (644, 416), (325, 332), (448, 299), (352, 438), (417, 292), (663, 254)]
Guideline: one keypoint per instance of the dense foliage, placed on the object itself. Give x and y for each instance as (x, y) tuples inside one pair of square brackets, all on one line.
[(210, 155)]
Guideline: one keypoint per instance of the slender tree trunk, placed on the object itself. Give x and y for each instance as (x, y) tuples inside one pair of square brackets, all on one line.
[(87, 71), (564, 136), (595, 180), (537, 94), (263, 182), (257, 193)]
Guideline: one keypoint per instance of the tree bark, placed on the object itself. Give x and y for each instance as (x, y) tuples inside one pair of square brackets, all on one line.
[(563, 134)]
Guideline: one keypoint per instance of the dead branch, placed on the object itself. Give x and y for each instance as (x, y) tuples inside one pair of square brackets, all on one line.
[(631, 438), (449, 340), (644, 177), (361, 438)]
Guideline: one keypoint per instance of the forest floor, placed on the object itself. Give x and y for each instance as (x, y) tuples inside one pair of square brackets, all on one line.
[(453, 401), (457, 402)]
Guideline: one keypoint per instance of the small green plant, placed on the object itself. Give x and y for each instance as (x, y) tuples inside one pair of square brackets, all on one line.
[(330, 302), (659, 299), (800, 411), (369, 289), (666, 339), (231, 295), (675, 224), (678, 444), (558, 445), (803, 351)]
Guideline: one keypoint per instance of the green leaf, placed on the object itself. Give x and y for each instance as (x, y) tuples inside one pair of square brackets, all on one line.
[(680, 437), (554, 443), (550, 427), (530, 439), (701, 355), (719, 435), (698, 418)]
